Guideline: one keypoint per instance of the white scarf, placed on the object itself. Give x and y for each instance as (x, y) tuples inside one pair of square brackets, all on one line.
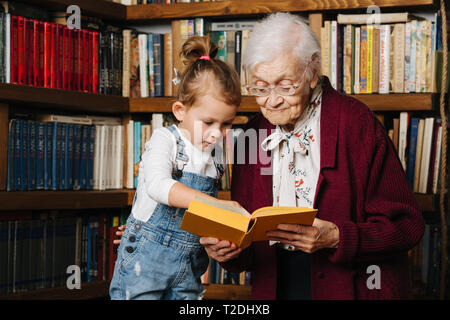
[(296, 162)]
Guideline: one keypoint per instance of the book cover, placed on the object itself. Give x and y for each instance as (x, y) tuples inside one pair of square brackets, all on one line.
[(211, 219)]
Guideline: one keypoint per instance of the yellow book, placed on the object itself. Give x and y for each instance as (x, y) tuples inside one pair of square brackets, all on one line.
[(369, 57), (212, 219)]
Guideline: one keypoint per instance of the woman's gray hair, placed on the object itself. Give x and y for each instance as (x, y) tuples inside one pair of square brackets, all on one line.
[(281, 33)]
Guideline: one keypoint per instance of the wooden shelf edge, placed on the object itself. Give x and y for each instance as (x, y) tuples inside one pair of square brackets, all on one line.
[(236, 7), (376, 102), (64, 99), (89, 290), (107, 10), (227, 292), (46, 200)]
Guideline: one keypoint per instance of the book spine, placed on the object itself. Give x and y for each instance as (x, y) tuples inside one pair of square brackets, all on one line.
[(56, 154), (151, 64), (95, 62), (356, 87), (334, 55), (413, 58), (48, 152), (8, 44), (158, 51), (83, 155), (135, 85), (11, 154), (376, 60), (24, 155), (143, 60), (69, 159), (384, 59), (29, 52), (31, 146), (363, 60), (63, 155), (47, 53), (76, 157), (369, 57), (347, 59), (14, 49), (168, 65), (126, 63), (399, 57), (17, 150), (412, 144), (21, 51), (407, 57), (90, 158)]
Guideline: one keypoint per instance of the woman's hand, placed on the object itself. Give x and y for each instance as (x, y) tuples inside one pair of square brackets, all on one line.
[(322, 234), (220, 250), (119, 233)]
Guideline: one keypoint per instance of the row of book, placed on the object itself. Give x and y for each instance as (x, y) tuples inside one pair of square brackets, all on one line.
[(52, 55), (418, 142), (400, 54), (65, 153), (37, 252), (425, 264), (215, 274)]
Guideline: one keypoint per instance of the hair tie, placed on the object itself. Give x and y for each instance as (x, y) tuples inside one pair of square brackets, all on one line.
[(204, 58)]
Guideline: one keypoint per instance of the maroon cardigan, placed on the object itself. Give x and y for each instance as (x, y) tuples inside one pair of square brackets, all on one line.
[(362, 188)]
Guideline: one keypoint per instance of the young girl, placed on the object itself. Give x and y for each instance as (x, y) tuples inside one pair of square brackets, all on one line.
[(156, 259)]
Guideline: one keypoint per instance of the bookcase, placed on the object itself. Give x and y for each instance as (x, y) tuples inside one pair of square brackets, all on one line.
[(73, 101)]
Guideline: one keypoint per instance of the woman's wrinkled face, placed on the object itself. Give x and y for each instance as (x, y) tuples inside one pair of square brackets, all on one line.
[(284, 70)]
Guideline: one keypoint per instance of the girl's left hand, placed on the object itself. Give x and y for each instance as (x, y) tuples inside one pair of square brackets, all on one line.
[(322, 234)]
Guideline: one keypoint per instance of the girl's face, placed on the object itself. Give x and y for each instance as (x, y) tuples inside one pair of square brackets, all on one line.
[(206, 121)]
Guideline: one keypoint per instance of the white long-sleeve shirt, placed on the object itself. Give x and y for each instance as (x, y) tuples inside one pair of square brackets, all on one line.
[(156, 166)]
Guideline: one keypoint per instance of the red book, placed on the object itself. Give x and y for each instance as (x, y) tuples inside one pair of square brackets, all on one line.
[(85, 58), (29, 51), (47, 53), (80, 61), (75, 60), (67, 60), (94, 54), (21, 76), (53, 56), (60, 55), (13, 49)]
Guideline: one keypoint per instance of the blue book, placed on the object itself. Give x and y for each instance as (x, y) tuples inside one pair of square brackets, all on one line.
[(56, 154), (48, 154), (62, 159), (158, 60), (137, 147), (83, 155), (90, 159), (11, 155), (40, 150), (31, 162), (76, 157), (17, 149), (69, 156), (412, 151), (24, 156)]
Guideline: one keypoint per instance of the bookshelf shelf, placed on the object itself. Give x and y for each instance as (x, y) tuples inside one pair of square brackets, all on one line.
[(61, 99), (99, 289), (42, 200), (251, 7), (107, 10), (377, 102)]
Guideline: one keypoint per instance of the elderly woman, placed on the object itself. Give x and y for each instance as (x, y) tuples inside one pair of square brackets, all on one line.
[(328, 152)]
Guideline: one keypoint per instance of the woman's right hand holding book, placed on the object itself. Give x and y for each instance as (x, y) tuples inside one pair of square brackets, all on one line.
[(220, 250)]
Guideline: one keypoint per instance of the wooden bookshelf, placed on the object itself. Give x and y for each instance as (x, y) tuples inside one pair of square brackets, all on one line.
[(62, 99), (145, 12), (376, 102), (100, 289)]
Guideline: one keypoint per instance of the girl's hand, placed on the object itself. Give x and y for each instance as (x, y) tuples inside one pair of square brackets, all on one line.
[(119, 233), (220, 250)]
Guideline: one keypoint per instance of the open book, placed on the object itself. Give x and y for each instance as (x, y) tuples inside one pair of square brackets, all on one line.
[(207, 218)]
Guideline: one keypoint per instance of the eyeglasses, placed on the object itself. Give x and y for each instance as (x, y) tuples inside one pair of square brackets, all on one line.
[(284, 90)]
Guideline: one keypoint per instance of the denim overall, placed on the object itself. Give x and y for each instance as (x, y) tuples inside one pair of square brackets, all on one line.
[(156, 259)]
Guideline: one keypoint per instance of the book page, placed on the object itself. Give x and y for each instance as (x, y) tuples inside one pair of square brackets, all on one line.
[(223, 206)]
